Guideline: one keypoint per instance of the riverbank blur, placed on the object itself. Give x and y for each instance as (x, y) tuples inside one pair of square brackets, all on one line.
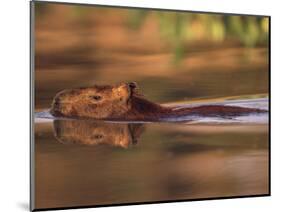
[(76, 46)]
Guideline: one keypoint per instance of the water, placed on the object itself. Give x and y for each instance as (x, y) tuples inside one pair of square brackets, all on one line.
[(84, 162), (90, 162)]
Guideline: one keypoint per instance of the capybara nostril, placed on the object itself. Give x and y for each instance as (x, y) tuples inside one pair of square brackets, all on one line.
[(56, 102)]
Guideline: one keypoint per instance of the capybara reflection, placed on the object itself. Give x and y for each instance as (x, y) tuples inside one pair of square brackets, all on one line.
[(124, 102), (88, 132)]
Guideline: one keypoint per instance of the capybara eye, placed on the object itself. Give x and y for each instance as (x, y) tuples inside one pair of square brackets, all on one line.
[(98, 136), (95, 97)]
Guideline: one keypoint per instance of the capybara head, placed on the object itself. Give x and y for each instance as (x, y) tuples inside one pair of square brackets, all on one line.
[(96, 102), (87, 132)]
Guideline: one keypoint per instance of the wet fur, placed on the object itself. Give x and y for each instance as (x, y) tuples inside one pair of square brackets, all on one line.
[(134, 106), (143, 109)]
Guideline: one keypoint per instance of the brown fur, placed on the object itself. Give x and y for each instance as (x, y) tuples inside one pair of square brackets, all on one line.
[(123, 102)]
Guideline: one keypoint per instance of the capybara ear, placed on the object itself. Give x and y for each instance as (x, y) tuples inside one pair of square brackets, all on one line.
[(133, 85)]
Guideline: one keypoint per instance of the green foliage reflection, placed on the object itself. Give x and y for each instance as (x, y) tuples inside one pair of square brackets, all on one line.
[(180, 29)]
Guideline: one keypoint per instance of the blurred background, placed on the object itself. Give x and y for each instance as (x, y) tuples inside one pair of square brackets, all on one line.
[(174, 56)]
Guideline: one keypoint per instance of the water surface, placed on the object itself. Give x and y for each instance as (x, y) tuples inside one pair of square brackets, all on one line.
[(87, 162)]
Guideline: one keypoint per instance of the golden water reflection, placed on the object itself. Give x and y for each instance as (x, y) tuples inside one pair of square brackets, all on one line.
[(92, 133), (155, 162)]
